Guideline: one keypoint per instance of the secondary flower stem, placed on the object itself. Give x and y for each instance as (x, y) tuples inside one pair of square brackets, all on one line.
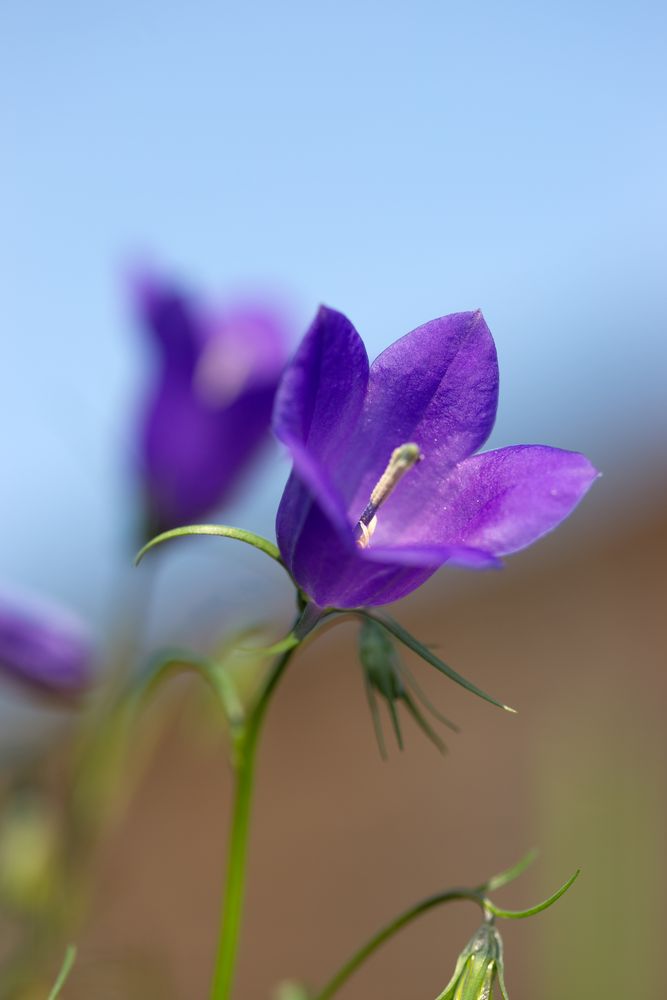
[(388, 932), (238, 845)]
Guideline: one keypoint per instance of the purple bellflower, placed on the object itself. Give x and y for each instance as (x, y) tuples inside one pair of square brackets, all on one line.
[(44, 647), (386, 486), (210, 408)]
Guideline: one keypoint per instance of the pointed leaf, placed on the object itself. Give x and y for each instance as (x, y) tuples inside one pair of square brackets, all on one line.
[(521, 914), (290, 641), (213, 673), (504, 878), (223, 530)]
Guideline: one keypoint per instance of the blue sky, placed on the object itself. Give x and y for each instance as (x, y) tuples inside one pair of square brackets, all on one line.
[(397, 161)]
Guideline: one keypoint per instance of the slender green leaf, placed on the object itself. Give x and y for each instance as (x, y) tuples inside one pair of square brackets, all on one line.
[(223, 530), (65, 969), (409, 640), (521, 914), (504, 878), (282, 646), (213, 673)]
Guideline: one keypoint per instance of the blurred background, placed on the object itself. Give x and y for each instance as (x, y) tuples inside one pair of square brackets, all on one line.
[(397, 163)]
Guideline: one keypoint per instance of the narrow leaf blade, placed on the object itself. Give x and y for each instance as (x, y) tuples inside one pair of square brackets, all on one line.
[(521, 914), (504, 878), (221, 530)]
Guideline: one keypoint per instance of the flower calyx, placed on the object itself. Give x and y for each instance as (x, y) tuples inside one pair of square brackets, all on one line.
[(387, 676)]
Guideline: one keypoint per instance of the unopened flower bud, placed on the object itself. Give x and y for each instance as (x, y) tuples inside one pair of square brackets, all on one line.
[(44, 647), (479, 967)]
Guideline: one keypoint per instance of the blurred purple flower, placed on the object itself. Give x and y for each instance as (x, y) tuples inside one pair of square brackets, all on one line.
[(44, 647), (210, 407), (362, 521)]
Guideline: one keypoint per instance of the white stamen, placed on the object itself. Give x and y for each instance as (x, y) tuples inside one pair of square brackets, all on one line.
[(366, 533), (401, 461)]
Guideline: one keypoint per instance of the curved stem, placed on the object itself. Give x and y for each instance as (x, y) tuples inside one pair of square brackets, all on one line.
[(238, 845), (389, 930)]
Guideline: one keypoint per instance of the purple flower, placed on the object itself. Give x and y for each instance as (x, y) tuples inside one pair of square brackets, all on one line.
[(210, 408), (44, 647), (385, 486)]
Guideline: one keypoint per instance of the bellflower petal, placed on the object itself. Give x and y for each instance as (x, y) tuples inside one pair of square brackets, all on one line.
[(502, 501), (210, 407), (436, 388), (44, 647), (331, 569), (317, 410)]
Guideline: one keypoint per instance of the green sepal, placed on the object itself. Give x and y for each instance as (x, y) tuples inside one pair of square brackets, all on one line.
[(65, 969), (448, 992), (411, 682), (501, 982), (378, 658), (427, 729), (375, 716), (387, 676), (477, 966), (417, 647), (477, 980), (533, 910), (222, 530)]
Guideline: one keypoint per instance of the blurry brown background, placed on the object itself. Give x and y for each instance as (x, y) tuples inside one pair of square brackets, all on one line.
[(572, 633)]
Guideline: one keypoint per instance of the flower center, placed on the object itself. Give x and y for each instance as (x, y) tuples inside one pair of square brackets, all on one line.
[(402, 460)]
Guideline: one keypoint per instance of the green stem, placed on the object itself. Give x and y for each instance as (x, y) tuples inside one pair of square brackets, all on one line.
[(389, 930), (238, 845)]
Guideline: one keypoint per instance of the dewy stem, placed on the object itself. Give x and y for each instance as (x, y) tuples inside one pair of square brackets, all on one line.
[(388, 932), (230, 924)]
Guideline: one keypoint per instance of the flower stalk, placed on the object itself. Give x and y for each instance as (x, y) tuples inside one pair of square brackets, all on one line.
[(245, 759), (389, 930), (476, 895)]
